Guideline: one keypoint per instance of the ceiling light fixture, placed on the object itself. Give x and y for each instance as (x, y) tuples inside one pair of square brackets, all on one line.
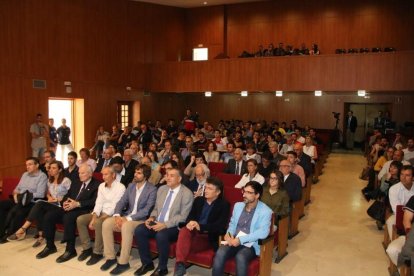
[(362, 93), (244, 93), (207, 93), (279, 93), (318, 93)]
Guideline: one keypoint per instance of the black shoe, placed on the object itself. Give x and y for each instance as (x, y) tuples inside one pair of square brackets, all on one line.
[(66, 256), (180, 269), (85, 254), (107, 265), (94, 259), (160, 272), (119, 269), (144, 269), (46, 252), (4, 239)]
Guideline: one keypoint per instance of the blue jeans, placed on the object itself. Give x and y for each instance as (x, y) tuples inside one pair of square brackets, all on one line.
[(242, 255)]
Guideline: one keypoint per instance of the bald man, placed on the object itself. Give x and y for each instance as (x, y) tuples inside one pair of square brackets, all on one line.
[(236, 165)]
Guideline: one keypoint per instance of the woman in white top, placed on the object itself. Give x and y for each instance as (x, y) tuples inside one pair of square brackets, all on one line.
[(251, 175), (310, 149), (211, 154), (85, 159), (58, 186)]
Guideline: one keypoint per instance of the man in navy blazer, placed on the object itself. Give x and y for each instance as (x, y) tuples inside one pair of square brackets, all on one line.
[(292, 182), (249, 223), (236, 165), (139, 198), (172, 207), (208, 220)]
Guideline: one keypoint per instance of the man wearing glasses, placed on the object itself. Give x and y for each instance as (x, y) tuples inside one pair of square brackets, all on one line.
[(250, 222)]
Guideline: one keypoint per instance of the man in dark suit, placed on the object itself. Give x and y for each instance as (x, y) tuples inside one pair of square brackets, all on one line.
[(139, 199), (172, 207), (209, 216), (351, 125), (236, 165), (305, 161), (292, 182), (105, 160), (79, 200), (122, 175), (129, 163)]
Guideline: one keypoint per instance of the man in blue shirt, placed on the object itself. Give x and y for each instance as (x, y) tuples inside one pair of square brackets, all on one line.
[(250, 222)]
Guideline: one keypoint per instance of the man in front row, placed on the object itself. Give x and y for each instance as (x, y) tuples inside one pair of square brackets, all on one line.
[(207, 220), (172, 206), (250, 222), (109, 193), (140, 199), (79, 200)]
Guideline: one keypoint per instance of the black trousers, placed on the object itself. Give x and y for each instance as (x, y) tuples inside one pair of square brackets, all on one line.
[(39, 211), (12, 216), (69, 223)]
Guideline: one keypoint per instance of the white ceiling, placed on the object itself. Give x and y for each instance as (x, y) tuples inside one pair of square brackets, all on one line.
[(195, 3)]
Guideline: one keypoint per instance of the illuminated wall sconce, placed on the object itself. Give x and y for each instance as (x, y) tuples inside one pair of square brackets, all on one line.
[(244, 93), (279, 93), (362, 93), (318, 93), (68, 86), (207, 93)]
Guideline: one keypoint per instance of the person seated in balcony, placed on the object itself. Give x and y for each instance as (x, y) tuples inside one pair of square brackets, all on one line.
[(211, 154), (270, 51), (208, 217), (58, 186), (250, 221), (13, 212), (275, 195), (172, 206), (138, 201), (251, 175)]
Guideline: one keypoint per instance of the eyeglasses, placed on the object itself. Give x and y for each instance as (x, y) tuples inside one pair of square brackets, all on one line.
[(247, 192)]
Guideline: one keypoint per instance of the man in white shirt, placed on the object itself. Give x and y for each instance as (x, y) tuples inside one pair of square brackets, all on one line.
[(398, 156), (109, 193), (140, 199), (400, 193)]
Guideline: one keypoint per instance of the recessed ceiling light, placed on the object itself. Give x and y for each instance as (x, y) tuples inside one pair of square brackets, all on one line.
[(205, 3)]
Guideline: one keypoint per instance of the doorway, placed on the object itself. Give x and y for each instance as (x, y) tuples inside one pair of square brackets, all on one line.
[(71, 110), (365, 114)]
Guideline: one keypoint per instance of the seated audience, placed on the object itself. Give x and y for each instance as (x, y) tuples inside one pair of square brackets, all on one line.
[(251, 175), (225, 157), (155, 175), (136, 155), (398, 156), (220, 142), (208, 217), (129, 162), (109, 193), (211, 154), (169, 211), (400, 193), (177, 158), (13, 212), (274, 151), (236, 165), (409, 150), (297, 169), (252, 154), (275, 196), (197, 158), (85, 159), (138, 201), (266, 167), (48, 157), (310, 149), (249, 222), (125, 138), (153, 158), (72, 171), (165, 154), (105, 160), (58, 186), (197, 185), (201, 143), (79, 200), (288, 146), (122, 175), (304, 160), (292, 182), (388, 154), (188, 147)]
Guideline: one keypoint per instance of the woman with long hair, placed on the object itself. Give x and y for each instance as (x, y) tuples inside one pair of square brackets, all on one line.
[(211, 154), (58, 186)]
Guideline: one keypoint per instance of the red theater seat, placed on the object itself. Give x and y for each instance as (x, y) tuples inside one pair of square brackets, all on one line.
[(9, 184)]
